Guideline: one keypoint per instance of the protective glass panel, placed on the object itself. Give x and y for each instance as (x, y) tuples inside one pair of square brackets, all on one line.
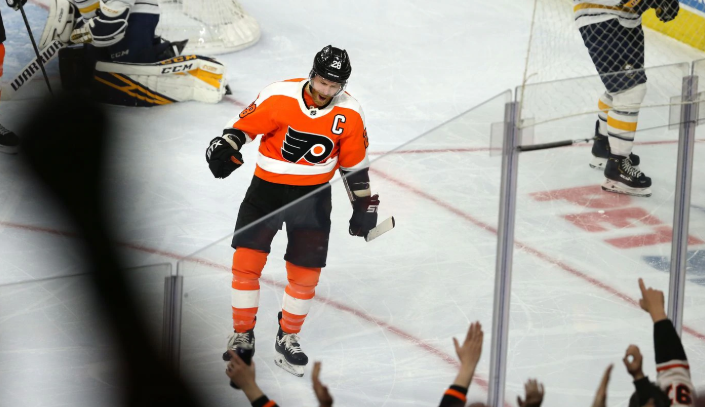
[(547, 104), (56, 349), (694, 299), (699, 72), (580, 250), (384, 311)]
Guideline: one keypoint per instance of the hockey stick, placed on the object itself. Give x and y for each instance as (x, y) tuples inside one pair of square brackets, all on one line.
[(381, 228), (28, 72), (36, 50), (562, 143)]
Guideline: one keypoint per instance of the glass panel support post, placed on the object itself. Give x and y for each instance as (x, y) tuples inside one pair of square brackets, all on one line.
[(171, 342), (681, 211), (505, 249)]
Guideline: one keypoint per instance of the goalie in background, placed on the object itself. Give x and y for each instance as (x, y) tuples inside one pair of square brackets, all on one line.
[(612, 33), (114, 51), (9, 142)]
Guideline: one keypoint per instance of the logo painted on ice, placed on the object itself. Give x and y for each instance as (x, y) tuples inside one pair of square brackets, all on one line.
[(314, 148)]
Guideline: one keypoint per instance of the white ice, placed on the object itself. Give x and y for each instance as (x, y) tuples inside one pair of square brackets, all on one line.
[(385, 311)]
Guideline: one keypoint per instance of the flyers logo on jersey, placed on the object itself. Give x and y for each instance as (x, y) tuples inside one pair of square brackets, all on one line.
[(251, 108), (313, 148)]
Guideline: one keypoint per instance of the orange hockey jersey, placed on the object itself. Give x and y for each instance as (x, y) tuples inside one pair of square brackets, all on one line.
[(301, 145)]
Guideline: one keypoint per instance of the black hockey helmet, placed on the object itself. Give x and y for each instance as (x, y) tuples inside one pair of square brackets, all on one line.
[(332, 64)]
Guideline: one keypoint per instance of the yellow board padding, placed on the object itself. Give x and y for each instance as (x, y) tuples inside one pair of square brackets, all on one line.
[(208, 77), (152, 98), (688, 27)]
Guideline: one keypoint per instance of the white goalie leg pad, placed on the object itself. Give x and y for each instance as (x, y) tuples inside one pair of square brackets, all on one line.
[(60, 22), (622, 119), (180, 79), (604, 104)]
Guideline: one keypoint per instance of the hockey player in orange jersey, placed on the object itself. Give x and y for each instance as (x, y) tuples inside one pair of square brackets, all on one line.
[(310, 128)]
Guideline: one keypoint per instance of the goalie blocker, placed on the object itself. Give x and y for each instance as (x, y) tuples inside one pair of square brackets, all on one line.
[(179, 79)]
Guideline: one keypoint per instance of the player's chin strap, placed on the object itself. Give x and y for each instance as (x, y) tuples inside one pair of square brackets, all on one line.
[(312, 74)]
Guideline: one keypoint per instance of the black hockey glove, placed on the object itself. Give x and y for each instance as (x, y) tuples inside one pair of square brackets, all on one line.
[(15, 4), (222, 157), (364, 217), (667, 10)]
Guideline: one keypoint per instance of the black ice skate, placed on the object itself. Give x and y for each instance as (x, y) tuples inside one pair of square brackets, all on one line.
[(601, 152), (9, 142), (243, 344), (623, 178), (289, 355)]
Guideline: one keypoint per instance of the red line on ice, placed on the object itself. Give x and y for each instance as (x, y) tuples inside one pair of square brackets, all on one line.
[(593, 281), (40, 4), (483, 149), (339, 306)]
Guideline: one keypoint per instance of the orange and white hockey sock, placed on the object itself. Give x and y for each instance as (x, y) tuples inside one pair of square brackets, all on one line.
[(298, 296), (247, 269)]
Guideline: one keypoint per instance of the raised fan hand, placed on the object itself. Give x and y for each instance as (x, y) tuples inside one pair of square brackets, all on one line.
[(534, 394), (601, 394), (652, 302), (322, 394), (632, 361)]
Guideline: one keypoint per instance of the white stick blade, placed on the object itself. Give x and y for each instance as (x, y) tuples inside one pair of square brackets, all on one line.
[(384, 227)]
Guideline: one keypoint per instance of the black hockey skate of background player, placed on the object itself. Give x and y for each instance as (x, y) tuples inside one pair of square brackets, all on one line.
[(9, 142), (614, 39), (310, 127)]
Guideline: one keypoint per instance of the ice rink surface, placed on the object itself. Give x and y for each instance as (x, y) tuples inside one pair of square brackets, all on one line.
[(385, 310)]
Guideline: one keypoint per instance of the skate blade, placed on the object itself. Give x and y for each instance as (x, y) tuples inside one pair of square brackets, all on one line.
[(598, 163), (619, 188), (296, 370)]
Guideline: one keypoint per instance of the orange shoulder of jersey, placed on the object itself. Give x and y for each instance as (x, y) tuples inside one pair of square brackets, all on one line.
[(302, 146)]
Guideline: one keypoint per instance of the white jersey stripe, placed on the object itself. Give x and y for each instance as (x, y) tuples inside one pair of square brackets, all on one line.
[(285, 167)]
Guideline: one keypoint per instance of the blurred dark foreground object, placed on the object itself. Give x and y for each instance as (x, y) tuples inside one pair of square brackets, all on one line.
[(64, 146)]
